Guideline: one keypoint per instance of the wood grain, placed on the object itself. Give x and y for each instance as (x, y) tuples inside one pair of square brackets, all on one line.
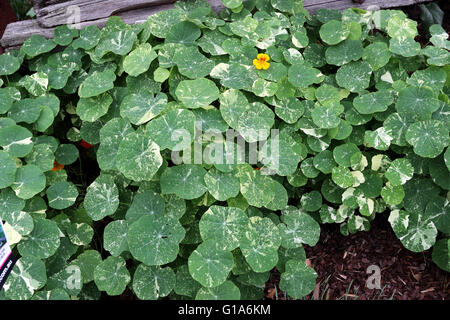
[(95, 12)]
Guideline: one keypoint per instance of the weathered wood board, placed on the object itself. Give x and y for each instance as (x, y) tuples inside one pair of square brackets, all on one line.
[(51, 13), (88, 10)]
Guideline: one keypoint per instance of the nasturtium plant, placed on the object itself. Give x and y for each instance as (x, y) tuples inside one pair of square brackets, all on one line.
[(191, 155)]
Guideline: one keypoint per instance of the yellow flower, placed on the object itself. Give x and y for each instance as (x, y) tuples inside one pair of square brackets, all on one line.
[(261, 61)]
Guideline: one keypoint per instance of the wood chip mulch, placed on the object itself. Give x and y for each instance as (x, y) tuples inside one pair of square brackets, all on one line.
[(341, 263)]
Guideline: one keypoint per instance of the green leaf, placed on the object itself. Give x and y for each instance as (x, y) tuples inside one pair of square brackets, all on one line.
[(145, 203), (102, 197), (184, 33), (392, 195), (197, 93), (185, 180), (91, 109), (326, 117), (377, 55), (30, 180), (97, 83), (119, 42), (7, 170), (354, 76), (416, 103), (111, 135), (64, 35), (347, 154), (406, 47), (344, 52), (224, 225), (154, 240), (9, 64), (41, 156), (191, 63), (61, 195), (16, 140), (257, 189), (302, 75), (209, 264), (373, 102), (87, 262), (138, 61), (27, 276), (42, 242), (288, 109), (416, 232), (401, 27), (80, 234), (342, 176), (260, 244), (298, 228), (89, 38), (115, 237), (37, 45), (226, 291), (66, 154), (151, 283), (221, 185), (142, 107), (298, 280), (173, 130), (441, 254), (112, 276), (429, 137), (138, 157), (399, 172), (333, 32)]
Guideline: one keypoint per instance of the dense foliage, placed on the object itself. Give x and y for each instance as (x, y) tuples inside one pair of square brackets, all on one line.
[(94, 195)]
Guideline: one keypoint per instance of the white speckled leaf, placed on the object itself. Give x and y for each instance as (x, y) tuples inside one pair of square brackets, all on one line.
[(145, 203), (61, 195), (111, 134), (142, 107), (224, 225), (138, 157), (209, 264), (151, 283), (222, 185), (185, 180), (112, 276), (297, 228), (115, 237), (298, 280), (260, 244), (102, 197), (154, 240), (27, 276), (415, 230), (42, 242)]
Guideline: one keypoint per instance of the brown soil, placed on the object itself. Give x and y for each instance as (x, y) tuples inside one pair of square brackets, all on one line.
[(341, 263)]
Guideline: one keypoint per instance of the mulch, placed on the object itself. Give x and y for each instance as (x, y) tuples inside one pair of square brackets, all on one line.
[(341, 263)]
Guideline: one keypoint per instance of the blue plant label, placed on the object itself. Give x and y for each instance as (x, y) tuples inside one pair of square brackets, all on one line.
[(7, 259)]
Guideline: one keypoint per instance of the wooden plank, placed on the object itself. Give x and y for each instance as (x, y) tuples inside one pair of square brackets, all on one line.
[(88, 10), (16, 33), (313, 5)]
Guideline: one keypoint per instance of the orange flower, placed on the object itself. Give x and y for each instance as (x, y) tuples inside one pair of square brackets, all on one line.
[(57, 166), (261, 61)]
